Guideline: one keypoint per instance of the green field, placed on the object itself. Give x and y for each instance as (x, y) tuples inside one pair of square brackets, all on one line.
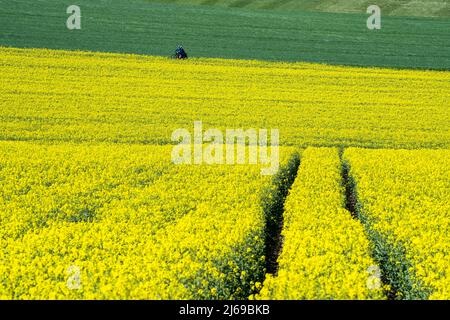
[(51, 95), (144, 27)]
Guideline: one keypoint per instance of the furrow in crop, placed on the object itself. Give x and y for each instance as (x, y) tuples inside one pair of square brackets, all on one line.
[(273, 206)]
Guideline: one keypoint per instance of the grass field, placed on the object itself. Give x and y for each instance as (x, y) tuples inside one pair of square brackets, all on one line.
[(142, 27), (92, 205)]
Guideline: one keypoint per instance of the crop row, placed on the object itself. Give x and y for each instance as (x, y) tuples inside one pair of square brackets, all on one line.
[(53, 95), (139, 26)]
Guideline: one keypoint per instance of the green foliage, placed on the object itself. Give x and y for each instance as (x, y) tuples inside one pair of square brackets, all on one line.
[(272, 201), (439, 8)]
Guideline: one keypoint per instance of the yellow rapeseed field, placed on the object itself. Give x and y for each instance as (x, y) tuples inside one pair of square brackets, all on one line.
[(54, 95), (405, 200)]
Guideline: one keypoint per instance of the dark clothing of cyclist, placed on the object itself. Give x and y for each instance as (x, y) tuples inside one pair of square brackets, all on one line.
[(180, 53)]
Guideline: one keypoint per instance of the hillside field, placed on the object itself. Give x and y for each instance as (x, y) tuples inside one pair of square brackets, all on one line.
[(94, 206)]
